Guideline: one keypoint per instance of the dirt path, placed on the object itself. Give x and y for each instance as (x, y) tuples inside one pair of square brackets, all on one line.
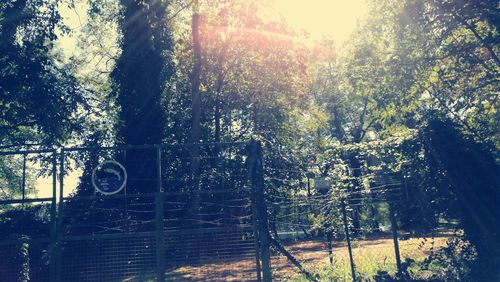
[(369, 256)]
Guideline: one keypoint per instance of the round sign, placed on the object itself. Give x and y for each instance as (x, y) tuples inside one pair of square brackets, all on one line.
[(109, 177)]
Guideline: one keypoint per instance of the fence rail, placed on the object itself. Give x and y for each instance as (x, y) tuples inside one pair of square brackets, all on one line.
[(196, 212), (170, 221)]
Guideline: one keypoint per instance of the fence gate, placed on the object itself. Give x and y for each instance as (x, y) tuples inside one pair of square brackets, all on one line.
[(187, 212), (27, 219)]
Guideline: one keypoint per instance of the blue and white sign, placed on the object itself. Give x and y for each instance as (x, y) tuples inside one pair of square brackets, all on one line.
[(109, 178)]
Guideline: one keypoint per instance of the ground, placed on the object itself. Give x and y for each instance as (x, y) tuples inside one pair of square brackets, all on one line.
[(369, 257)]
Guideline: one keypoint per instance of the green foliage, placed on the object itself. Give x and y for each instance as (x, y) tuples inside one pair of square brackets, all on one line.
[(21, 259), (375, 262), (11, 169), (452, 263), (39, 96), (140, 74), (413, 93), (473, 176), (141, 71), (28, 221)]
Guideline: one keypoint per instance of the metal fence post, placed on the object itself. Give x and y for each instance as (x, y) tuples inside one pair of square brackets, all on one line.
[(53, 221), (160, 237), (254, 216), (256, 173), (348, 239), (24, 180), (394, 228), (256, 233), (59, 231)]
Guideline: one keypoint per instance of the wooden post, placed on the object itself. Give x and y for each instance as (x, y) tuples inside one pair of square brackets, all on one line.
[(160, 237), (329, 238), (294, 261), (394, 228), (347, 236), (256, 173)]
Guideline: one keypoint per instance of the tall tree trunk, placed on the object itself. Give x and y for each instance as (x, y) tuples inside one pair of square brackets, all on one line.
[(355, 163), (195, 77), (217, 114), (195, 136), (139, 74)]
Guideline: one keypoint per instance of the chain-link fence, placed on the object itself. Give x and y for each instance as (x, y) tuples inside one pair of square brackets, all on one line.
[(203, 212), (349, 227), (186, 212)]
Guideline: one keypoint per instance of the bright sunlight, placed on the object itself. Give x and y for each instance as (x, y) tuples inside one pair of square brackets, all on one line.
[(335, 19), (249, 140)]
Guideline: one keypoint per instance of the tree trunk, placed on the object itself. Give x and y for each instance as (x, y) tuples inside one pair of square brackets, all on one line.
[(140, 72), (195, 137), (217, 114)]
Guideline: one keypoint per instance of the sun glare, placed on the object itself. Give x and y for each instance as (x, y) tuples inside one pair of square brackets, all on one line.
[(335, 19)]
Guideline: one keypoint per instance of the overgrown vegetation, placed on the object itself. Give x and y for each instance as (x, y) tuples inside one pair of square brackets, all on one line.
[(413, 94), (432, 259)]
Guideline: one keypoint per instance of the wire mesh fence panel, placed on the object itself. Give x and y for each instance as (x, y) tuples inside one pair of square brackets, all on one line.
[(209, 212), (188, 215), (110, 239), (300, 226), (209, 234), (373, 227), (27, 213), (298, 221), (107, 235), (110, 258), (11, 268), (363, 225), (330, 226)]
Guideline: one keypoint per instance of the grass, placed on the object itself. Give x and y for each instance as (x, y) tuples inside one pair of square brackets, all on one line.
[(370, 256)]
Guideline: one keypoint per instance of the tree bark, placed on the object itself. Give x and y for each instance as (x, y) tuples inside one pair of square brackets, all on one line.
[(195, 136)]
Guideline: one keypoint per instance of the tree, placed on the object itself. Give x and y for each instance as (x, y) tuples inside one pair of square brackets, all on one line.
[(140, 75), (39, 97), (462, 77), (420, 57), (196, 109), (142, 70), (474, 176)]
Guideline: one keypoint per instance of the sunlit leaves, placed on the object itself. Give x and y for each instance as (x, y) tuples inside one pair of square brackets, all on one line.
[(40, 94)]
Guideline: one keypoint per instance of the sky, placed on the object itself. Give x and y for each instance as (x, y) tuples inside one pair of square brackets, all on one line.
[(75, 19), (336, 19)]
